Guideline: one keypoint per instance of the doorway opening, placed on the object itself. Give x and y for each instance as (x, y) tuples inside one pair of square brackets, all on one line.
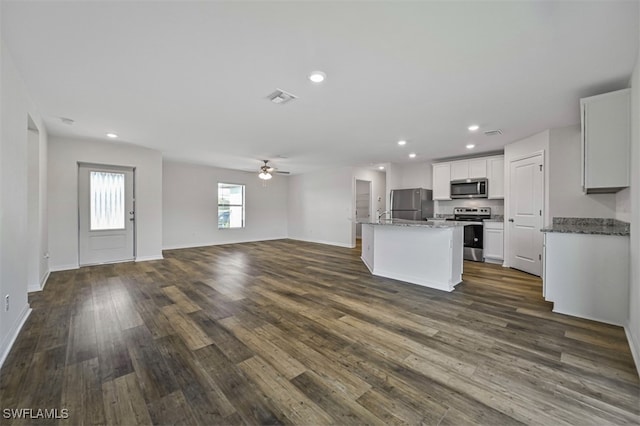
[(363, 204), (106, 214), (37, 239)]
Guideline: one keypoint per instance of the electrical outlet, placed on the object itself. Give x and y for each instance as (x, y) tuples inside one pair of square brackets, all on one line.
[(6, 303)]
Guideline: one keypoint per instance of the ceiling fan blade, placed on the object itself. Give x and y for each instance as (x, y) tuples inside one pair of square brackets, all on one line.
[(282, 173)]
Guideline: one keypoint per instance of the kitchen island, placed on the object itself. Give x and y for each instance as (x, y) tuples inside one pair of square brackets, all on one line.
[(427, 253)]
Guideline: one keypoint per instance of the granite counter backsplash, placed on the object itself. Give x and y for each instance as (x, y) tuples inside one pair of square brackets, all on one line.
[(587, 225)]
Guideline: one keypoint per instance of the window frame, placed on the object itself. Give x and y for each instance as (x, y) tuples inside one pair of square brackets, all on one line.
[(243, 205)]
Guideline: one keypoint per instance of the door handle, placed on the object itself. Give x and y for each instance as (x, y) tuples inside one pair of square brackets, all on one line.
[(510, 220)]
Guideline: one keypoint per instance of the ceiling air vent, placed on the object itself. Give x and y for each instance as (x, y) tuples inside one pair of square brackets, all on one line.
[(281, 97), (493, 132)]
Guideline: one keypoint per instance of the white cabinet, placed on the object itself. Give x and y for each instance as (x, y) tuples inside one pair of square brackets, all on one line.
[(459, 170), (587, 276), (442, 181), (491, 168), (606, 141), (469, 169), (478, 168), (495, 176), (493, 249)]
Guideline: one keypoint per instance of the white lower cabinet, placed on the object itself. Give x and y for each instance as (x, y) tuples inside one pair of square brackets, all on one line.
[(493, 248), (587, 275)]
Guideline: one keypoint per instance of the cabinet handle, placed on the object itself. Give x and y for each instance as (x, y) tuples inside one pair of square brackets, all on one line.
[(510, 220)]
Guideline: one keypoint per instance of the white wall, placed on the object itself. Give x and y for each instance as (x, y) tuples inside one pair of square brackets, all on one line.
[(566, 198), (393, 179), (633, 328), (190, 206), (15, 109), (321, 207), (533, 144), (623, 205), (415, 175), (64, 156)]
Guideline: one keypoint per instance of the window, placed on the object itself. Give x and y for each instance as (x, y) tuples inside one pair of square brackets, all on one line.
[(230, 205), (107, 200)]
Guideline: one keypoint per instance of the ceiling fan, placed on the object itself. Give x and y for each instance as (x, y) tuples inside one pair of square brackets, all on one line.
[(266, 171)]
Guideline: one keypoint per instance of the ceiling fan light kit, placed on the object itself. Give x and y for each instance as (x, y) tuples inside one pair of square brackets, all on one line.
[(265, 171)]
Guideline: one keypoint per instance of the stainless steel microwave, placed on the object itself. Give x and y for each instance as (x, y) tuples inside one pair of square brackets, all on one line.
[(469, 188)]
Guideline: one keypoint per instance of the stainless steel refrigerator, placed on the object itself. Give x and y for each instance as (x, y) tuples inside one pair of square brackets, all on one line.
[(412, 204)]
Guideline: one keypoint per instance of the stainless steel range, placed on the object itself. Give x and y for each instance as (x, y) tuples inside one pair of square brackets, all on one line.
[(473, 232)]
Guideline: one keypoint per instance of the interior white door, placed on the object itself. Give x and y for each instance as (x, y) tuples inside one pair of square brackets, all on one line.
[(525, 214), (106, 214)]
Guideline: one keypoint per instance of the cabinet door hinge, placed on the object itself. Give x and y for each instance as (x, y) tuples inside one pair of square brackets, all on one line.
[(540, 212)]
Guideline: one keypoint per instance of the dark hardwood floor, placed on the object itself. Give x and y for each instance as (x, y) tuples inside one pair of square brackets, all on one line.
[(299, 333)]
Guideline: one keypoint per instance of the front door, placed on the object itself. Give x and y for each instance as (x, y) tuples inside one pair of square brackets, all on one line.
[(106, 214), (525, 218)]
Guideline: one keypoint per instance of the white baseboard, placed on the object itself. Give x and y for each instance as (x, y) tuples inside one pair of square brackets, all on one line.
[(43, 282), (216, 243), (8, 341), (366, 264), (58, 268), (329, 243), (634, 345), (148, 258), (588, 317)]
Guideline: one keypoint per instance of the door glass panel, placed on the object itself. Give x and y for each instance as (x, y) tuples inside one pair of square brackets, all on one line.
[(106, 200)]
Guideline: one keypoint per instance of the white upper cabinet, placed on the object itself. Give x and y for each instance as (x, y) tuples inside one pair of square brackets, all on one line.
[(495, 176), (478, 168), (459, 170), (442, 181), (469, 169), (606, 137), (491, 168)]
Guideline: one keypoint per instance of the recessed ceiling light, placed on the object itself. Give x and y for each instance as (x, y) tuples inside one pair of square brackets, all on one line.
[(112, 135), (412, 155), (317, 76), (470, 146), (473, 127), (402, 143), (381, 167)]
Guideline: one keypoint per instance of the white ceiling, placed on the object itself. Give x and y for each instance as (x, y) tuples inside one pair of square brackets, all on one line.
[(191, 78)]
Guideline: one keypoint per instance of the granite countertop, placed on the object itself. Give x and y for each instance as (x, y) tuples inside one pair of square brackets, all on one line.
[(594, 226), (438, 223)]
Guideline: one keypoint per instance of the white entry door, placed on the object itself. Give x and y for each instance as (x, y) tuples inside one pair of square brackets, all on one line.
[(525, 214), (106, 214)]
